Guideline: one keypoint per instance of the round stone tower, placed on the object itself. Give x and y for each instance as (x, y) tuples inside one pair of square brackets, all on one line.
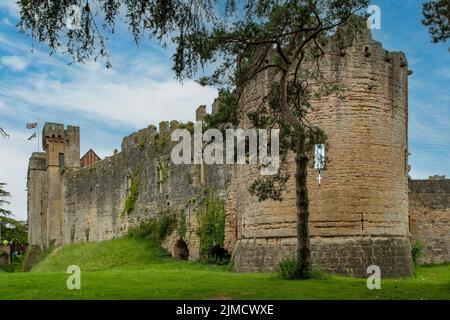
[(359, 212)]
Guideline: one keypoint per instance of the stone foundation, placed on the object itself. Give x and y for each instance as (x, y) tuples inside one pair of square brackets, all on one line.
[(349, 256)]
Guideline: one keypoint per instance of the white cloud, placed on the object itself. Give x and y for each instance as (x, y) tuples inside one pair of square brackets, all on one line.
[(15, 152), (7, 22), (10, 6), (15, 63), (133, 98)]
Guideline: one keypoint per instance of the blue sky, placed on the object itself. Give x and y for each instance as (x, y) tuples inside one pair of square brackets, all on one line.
[(140, 90)]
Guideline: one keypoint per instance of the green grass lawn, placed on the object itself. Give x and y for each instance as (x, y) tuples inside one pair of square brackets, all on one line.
[(129, 269)]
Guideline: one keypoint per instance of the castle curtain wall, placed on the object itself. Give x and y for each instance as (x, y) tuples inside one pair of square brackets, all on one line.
[(429, 209), (95, 196)]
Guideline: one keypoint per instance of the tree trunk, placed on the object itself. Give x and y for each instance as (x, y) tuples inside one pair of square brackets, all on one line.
[(302, 204)]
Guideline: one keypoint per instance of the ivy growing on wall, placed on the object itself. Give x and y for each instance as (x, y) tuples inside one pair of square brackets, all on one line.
[(211, 223), (133, 193), (163, 171), (160, 143), (182, 225)]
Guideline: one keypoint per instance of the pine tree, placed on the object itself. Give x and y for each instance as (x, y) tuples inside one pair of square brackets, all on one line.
[(4, 194)]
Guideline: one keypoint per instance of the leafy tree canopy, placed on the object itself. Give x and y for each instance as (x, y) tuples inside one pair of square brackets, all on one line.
[(13, 230), (436, 16)]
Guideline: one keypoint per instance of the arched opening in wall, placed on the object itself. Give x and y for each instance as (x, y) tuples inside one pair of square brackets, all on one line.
[(181, 251), (219, 255)]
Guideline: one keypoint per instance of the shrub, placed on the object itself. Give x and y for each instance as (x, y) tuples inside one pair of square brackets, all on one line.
[(288, 269), (16, 264), (319, 273), (218, 255), (416, 252), (154, 230)]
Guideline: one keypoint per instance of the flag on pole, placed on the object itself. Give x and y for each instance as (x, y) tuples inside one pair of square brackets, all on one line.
[(3, 132), (32, 136), (31, 125)]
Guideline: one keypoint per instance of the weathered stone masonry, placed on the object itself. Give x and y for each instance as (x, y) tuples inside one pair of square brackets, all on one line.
[(91, 200), (429, 209), (359, 214)]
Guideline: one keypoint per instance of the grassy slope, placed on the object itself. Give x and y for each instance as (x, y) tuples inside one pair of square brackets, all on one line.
[(127, 269)]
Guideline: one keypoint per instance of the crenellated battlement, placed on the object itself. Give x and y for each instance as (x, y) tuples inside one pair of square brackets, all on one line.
[(148, 135)]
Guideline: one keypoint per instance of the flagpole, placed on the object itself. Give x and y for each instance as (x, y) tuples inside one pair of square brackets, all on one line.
[(37, 133)]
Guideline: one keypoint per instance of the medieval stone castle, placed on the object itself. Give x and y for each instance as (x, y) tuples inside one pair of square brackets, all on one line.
[(365, 212)]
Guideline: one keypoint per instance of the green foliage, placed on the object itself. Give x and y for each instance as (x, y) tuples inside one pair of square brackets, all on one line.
[(269, 187), (226, 113), (133, 193), (154, 230), (436, 16), (288, 269), (142, 142), (189, 126), (164, 171), (4, 194), (182, 227), (64, 169), (160, 142), (16, 264), (13, 230), (318, 272), (416, 252), (211, 224)]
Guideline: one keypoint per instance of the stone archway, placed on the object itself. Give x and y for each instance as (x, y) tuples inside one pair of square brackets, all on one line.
[(180, 250)]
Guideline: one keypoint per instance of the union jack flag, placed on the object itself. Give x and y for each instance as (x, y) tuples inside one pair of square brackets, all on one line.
[(31, 125)]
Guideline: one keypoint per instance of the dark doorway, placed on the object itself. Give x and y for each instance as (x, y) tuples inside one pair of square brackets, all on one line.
[(181, 251)]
